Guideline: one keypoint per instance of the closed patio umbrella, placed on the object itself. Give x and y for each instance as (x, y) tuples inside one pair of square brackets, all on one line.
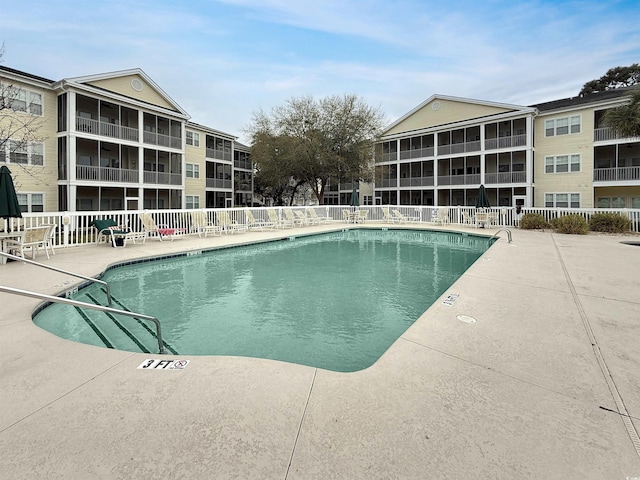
[(483, 200), (355, 201), (9, 206)]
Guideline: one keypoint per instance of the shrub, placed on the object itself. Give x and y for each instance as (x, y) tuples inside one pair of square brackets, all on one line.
[(533, 221), (572, 223), (609, 223)]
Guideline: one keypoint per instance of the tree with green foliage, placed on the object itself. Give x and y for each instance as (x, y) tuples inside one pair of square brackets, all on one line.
[(312, 143), (616, 77), (625, 119)]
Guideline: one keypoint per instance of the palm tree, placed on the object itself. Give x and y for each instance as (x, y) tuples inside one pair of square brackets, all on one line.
[(625, 120)]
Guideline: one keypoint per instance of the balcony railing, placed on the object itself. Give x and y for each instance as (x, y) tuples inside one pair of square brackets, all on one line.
[(247, 165), (505, 177), (386, 157), (454, 148), (87, 125), (161, 178), (505, 142), (606, 134), (471, 179), (620, 174), (416, 153), (219, 183), (219, 154), (106, 174), (416, 182), (388, 182), (162, 140)]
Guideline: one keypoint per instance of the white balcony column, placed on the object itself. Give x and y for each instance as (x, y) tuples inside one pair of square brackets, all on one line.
[(140, 148), (529, 131), (483, 168), (529, 166), (71, 137)]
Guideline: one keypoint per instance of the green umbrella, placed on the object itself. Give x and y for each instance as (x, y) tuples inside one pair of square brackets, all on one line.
[(9, 206), (355, 201), (483, 200)]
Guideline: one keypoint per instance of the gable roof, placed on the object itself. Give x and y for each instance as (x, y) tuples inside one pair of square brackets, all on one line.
[(584, 99), (25, 75), (121, 83), (448, 110)]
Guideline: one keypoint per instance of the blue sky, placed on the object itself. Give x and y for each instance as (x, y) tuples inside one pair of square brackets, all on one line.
[(222, 60)]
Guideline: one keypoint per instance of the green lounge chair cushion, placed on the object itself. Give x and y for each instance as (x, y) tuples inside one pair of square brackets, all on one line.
[(107, 224)]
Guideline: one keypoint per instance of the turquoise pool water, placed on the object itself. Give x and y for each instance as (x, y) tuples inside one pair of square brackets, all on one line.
[(335, 301)]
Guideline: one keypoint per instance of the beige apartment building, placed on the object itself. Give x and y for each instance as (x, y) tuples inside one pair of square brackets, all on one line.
[(554, 154), (114, 141), (117, 141)]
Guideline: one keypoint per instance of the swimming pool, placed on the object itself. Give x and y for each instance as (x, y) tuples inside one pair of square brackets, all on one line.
[(335, 301)]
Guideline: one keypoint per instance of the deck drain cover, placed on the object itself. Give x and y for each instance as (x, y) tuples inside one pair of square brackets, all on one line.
[(466, 318)]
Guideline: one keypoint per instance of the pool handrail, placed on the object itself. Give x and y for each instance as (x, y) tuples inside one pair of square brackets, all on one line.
[(59, 270), (76, 303)]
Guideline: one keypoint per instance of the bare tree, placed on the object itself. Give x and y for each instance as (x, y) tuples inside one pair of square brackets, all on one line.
[(18, 128)]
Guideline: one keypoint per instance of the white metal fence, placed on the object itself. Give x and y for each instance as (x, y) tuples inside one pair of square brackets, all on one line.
[(75, 228)]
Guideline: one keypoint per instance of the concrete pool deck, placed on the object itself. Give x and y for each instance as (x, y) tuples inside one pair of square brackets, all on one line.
[(544, 385)]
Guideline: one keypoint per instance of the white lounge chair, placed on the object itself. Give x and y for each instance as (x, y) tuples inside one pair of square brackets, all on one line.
[(442, 216), (254, 224), (290, 217), (387, 215), (228, 225), (279, 222), (311, 213), (200, 224), (401, 218), (162, 231)]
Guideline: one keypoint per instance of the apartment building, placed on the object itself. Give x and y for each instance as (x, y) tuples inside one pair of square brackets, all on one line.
[(113, 141), (554, 154)]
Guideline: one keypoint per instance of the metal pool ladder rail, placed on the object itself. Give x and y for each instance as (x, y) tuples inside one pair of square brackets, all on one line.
[(59, 270), (77, 303), (495, 235), (93, 306)]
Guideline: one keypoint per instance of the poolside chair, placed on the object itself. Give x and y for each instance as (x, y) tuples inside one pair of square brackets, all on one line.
[(49, 244), (200, 224), (254, 224), (117, 235), (304, 219), (290, 217), (387, 215), (401, 218), (228, 225), (442, 216), (280, 222), (312, 214), (161, 231), (31, 237), (346, 216), (362, 216)]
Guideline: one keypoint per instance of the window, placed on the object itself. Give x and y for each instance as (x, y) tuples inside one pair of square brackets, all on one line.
[(17, 152), (193, 138), (614, 202), (562, 126), (193, 201), (21, 100), (562, 200), (193, 170), (562, 164), (31, 202)]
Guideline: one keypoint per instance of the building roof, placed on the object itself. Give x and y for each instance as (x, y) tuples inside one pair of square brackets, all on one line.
[(25, 74), (583, 99)]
